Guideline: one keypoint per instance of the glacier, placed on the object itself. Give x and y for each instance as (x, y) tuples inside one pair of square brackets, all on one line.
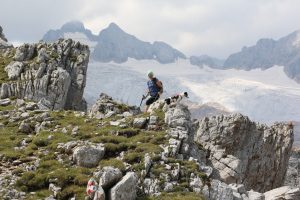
[(264, 95)]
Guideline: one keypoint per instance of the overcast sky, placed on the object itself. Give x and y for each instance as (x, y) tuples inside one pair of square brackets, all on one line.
[(214, 27)]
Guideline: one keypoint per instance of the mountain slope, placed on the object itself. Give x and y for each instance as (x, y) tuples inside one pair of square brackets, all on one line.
[(267, 53), (205, 60), (116, 45)]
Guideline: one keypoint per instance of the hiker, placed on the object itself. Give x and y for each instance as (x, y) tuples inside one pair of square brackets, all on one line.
[(155, 89)]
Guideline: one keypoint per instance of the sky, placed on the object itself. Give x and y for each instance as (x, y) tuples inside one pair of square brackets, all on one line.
[(195, 27)]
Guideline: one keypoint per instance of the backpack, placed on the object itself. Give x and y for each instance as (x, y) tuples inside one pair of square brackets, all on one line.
[(161, 89)]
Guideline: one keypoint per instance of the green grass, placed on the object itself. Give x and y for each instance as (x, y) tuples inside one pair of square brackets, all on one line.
[(113, 162), (175, 196), (135, 143), (4, 61)]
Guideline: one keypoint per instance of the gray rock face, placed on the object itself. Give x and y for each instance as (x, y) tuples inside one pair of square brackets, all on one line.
[(244, 152), (218, 190), (293, 172), (116, 45), (99, 194), (205, 60), (88, 155), (109, 176), (284, 192), (125, 189), (3, 41), (53, 73), (14, 69), (267, 53)]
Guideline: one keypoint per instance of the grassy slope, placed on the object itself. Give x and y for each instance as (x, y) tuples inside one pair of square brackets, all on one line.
[(71, 178)]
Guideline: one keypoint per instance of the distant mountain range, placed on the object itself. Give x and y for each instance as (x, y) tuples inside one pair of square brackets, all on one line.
[(267, 53), (205, 60), (114, 44)]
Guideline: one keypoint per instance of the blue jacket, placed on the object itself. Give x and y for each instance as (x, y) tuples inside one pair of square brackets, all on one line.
[(153, 88)]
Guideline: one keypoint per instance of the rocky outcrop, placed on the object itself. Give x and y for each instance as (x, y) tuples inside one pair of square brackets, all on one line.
[(293, 172), (53, 73), (106, 107), (3, 41), (242, 151), (179, 155)]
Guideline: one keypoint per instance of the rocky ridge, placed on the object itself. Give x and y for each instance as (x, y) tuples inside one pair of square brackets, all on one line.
[(156, 154), (53, 74)]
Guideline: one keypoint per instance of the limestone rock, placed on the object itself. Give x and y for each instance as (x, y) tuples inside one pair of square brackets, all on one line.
[(125, 189), (99, 194), (54, 189), (5, 102), (106, 107), (14, 70), (218, 190), (285, 192), (252, 195), (242, 151), (88, 155), (25, 128), (53, 73), (293, 172), (139, 122), (109, 176)]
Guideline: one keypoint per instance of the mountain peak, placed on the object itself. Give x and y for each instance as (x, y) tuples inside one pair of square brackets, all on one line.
[(114, 27), (73, 26)]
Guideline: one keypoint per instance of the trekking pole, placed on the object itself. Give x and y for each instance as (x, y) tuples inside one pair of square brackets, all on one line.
[(143, 98)]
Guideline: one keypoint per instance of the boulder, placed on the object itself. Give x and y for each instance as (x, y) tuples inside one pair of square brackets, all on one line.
[(284, 192), (139, 122), (125, 189), (14, 69), (109, 176), (25, 128), (88, 155), (5, 102), (106, 107)]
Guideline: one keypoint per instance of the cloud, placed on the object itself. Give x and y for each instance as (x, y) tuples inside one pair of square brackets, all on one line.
[(214, 27)]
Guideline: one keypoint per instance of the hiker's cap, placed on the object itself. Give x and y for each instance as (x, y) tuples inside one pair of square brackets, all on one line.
[(150, 73)]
